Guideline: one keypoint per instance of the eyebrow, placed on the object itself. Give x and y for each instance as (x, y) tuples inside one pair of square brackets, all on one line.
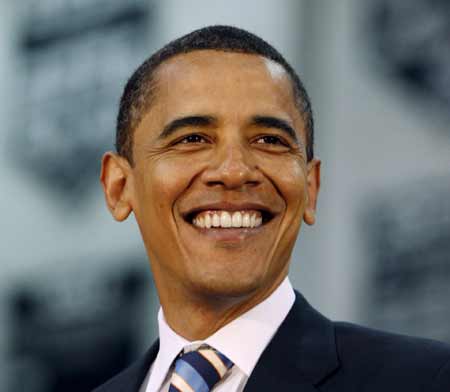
[(204, 120), (275, 122), (182, 122)]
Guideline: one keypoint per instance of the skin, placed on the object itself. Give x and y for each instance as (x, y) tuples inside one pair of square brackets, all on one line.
[(207, 278)]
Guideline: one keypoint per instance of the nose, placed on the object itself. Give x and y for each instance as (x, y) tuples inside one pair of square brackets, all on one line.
[(232, 168)]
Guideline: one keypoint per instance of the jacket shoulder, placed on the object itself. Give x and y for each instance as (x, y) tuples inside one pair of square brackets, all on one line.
[(130, 379), (381, 357), (126, 380)]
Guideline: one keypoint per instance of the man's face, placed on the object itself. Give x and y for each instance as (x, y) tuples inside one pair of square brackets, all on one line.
[(222, 145)]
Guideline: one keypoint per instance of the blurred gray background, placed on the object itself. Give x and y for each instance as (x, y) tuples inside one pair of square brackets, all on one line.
[(77, 301)]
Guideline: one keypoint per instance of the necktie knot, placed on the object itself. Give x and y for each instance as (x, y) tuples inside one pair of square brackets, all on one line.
[(199, 370)]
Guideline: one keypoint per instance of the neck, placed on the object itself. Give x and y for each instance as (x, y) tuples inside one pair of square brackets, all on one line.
[(196, 316)]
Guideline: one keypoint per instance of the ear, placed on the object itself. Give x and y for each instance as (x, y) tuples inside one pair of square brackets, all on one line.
[(313, 186), (115, 179)]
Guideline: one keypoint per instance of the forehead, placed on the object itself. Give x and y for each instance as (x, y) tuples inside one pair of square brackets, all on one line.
[(209, 79), (212, 60)]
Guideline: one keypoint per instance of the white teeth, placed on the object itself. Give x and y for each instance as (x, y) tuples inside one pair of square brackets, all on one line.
[(215, 220), (208, 221), (226, 219), (246, 220), (236, 220), (253, 220)]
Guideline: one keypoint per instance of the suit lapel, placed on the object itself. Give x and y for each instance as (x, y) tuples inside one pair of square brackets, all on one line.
[(131, 379), (300, 355)]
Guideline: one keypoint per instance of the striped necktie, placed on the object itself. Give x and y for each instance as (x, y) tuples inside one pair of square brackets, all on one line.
[(199, 370)]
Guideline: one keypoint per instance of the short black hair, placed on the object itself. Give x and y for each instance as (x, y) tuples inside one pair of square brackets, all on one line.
[(140, 88)]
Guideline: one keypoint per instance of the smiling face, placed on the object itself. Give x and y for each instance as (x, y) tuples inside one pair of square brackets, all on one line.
[(220, 183)]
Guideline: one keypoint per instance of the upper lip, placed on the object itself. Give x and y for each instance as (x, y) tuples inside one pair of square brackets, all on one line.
[(228, 206)]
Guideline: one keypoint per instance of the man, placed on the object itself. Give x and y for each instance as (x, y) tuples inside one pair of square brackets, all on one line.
[(215, 159)]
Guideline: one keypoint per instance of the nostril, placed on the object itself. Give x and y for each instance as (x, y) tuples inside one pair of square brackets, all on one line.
[(233, 185), (214, 183), (232, 174)]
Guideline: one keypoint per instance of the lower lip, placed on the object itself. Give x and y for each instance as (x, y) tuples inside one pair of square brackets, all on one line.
[(229, 234)]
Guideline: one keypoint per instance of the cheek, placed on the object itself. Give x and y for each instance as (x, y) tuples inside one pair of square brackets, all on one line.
[(164, 181), (161, 182), (288, 176)]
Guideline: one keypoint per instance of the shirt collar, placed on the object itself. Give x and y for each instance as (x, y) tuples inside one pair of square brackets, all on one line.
[(170, 345), (244, 339), (255, 327)]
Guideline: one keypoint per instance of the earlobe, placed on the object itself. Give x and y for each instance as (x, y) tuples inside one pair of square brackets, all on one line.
[(114, 178), (313, 187), (309, 217)]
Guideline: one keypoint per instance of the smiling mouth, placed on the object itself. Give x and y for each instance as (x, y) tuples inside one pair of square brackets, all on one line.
[(226, 219)]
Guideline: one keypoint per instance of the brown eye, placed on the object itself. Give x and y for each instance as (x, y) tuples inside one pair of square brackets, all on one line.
[(194, 138), (270, 139)]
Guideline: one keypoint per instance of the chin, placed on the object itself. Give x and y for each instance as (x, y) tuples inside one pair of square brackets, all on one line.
[(221, 287)]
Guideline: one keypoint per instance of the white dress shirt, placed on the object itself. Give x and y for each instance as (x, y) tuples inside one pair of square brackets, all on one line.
[(243, 340)]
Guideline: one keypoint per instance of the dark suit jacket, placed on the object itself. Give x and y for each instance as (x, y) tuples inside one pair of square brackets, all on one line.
[(311, 353)]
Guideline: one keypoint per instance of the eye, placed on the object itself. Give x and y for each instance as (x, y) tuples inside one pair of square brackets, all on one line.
[(271, 139), (194, 138)]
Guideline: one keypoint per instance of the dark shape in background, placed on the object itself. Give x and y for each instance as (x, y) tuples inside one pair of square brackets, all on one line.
[(408, 233), (76, 57), (408, 227), (412, 42), (72, 332)]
